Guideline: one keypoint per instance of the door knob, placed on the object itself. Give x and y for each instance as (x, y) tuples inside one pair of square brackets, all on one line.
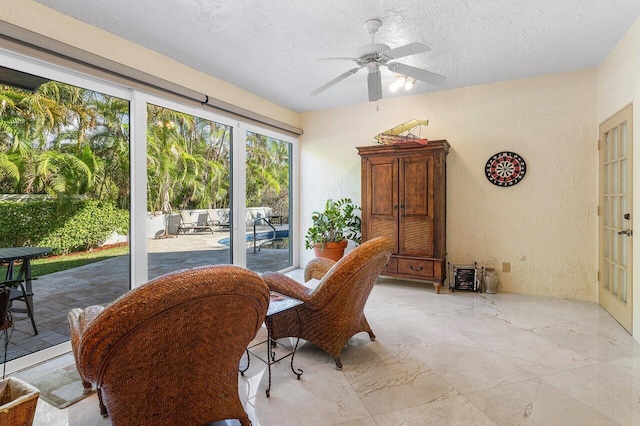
[(629, 232)]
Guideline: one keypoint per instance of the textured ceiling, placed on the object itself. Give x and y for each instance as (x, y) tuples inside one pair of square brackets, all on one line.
[(271, 48)]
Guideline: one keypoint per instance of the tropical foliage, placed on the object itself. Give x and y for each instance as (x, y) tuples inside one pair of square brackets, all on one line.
[(83, 225), (68, 142), (65, 142), (337, 222)]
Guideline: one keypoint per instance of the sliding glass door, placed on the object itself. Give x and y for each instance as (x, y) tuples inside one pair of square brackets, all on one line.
[(64, 185), (268, 200), (188, 190)]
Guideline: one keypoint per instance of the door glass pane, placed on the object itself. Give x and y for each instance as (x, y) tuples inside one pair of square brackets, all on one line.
[(605, 276), (188, 197), (607, 147), (268, 203), (615, 178), (623, 175), (614, 284), (64, 176), (607, 217), (609, 183), (623, 285), (615, 142), (623, 139)]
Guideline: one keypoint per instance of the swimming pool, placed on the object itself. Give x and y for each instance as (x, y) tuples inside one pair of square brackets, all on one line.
[(260, 236)]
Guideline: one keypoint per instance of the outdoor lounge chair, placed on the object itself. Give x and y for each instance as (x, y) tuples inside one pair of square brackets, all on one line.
[(188, 225), (222, 215), (218, 218), (214, 218), (167, 352), (334, 311)]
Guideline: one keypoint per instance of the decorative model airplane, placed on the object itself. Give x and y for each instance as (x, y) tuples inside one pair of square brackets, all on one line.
[(404, 133)]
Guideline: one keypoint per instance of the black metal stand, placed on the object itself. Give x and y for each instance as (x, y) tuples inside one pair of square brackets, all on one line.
[(271, 355)]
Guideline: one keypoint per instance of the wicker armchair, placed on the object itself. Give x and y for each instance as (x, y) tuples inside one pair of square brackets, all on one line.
[(168, 352), (334, 311)]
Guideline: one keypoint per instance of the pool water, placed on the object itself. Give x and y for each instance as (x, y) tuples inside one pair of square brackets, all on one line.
[(261, 236)]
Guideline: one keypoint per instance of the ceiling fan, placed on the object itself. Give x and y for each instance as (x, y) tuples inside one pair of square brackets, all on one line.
[(374, 55)]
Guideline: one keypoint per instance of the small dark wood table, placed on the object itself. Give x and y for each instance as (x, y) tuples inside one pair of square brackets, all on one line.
[(11, 279), (278, 304)]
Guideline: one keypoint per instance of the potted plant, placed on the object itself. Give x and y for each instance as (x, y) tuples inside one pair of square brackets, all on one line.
[(333, 227)]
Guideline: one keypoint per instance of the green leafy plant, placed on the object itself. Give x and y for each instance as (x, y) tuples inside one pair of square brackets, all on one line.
[(80, 226), (337, 222)]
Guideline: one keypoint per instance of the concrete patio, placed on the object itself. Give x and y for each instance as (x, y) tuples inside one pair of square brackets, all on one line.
[(101, 282)]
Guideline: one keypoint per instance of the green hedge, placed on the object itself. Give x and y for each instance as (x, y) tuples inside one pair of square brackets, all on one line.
[(78, 226)]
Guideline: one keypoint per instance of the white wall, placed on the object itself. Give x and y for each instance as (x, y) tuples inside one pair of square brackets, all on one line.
[(545, 226), (618, 84)]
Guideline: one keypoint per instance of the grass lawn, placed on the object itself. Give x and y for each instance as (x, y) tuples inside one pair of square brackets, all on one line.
[(48, 265)]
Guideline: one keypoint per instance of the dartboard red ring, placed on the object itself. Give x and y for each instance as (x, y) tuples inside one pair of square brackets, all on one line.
[(505, 168)]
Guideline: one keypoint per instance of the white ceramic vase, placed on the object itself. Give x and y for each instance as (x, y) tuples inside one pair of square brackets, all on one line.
[(490, 280)]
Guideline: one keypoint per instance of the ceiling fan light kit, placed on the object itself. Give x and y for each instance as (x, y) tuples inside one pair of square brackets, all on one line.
[(374, 55), (402, 81)]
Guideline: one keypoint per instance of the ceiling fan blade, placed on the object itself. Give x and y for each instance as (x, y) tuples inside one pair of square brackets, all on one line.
[(375, 85), (417, 73), (335, 80), (406, 50)]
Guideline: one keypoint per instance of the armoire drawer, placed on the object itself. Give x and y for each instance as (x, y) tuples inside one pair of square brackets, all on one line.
[(417, 267)]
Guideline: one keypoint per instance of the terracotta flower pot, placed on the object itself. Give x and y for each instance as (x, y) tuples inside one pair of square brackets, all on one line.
[(333, 251)]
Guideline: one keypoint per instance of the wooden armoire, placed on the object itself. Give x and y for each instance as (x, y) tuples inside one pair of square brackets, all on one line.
[(404, 198)]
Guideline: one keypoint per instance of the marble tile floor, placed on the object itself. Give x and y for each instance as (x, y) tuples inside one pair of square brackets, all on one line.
[(448, 359)]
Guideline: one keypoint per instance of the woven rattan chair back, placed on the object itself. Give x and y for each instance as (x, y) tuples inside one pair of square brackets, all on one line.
[(168, 352), (334, 311)]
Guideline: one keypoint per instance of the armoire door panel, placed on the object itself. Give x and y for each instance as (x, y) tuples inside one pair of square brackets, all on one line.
[(383, 200), (416, 237), (382, 227), (416, 206), (416, 187)]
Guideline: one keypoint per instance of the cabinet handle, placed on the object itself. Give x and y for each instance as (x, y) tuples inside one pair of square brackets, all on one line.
[(402, 206), (395, 207), (414, 269)]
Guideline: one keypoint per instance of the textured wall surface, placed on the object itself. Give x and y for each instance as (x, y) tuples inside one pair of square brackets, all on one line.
[(618, 85), (545, 227)]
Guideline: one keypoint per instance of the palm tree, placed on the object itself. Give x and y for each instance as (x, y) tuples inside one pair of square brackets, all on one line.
[(267, 168)]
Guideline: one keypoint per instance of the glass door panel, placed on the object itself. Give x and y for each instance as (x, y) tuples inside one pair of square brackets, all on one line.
[(65, 180), (188, 191), (268, 200)]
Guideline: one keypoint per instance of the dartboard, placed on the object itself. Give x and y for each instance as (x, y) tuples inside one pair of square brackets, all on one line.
[(505, 168)]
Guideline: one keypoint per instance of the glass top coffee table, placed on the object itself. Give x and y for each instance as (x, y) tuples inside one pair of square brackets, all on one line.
[(279, 303)]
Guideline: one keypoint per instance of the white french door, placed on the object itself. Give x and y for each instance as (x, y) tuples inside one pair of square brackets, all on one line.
[(616, 236)]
